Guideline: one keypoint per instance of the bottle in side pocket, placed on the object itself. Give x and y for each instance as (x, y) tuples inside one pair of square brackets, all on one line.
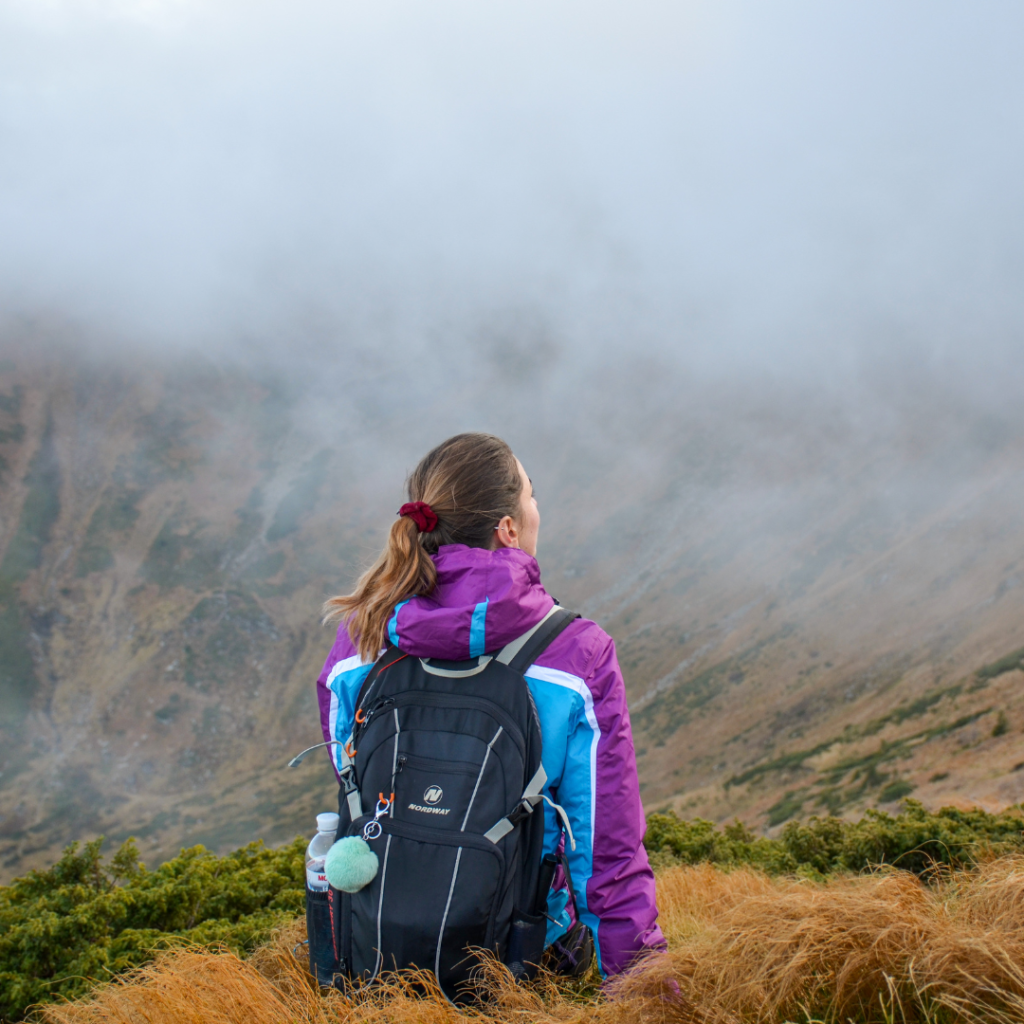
[(326, 829)]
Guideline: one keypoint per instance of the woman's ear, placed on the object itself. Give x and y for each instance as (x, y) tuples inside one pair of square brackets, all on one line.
[(506, 533)]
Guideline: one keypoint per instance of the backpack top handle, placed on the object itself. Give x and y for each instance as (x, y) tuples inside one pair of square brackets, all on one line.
[(457, 673)]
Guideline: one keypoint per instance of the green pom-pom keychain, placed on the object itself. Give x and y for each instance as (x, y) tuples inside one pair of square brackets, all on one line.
[(350, 864)]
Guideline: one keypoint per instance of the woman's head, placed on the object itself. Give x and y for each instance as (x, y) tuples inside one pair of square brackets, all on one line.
[(481, 497)]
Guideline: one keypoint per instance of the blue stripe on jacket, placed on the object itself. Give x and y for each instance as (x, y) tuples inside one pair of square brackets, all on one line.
[(478, 629), (569, 755), (393, 622)]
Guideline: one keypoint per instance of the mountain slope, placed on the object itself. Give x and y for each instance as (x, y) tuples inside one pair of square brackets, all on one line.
[(801, 601)]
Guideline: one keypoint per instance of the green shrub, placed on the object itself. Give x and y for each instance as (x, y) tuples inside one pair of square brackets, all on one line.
[(1010, 663), (671, 839), (64, 929), (896, 790), (914, 839)]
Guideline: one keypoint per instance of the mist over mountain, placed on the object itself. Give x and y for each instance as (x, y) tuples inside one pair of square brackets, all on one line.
[(739, 284), (775, 575)]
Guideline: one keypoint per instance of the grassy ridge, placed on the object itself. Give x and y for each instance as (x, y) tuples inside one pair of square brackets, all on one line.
[(885, 948), (81, 922)]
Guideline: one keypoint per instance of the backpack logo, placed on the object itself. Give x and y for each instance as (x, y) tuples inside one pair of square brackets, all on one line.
[(432, 796)]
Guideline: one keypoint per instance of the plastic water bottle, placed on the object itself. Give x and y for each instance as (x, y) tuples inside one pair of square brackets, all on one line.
[(326, 827)]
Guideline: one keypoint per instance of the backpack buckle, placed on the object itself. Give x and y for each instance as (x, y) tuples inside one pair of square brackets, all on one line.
[(351, 790), (522, 810)]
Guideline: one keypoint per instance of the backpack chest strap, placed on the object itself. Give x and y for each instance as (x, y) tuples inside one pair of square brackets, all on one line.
[(532, 796)]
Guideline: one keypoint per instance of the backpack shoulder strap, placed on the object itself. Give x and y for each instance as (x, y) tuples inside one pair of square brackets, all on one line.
[(388, 657), (521, 653)]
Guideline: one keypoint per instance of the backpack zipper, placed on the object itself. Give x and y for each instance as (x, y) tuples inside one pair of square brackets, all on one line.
[(446, 700), (440, 837), (435, 764), (360, 725), (455, 700)]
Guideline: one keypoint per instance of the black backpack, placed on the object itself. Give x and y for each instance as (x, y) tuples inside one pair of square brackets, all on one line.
[(442, 777)]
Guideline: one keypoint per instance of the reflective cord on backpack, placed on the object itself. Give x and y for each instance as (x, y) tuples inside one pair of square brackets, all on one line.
[(346, 772)]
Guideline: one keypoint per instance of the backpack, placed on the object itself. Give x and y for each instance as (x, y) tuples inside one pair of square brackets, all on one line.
[(442, 777)]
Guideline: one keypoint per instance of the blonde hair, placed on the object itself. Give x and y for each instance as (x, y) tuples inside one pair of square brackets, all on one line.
[(471, 481)]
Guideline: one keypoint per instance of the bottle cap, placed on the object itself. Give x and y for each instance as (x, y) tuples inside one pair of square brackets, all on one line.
[(327, 822)]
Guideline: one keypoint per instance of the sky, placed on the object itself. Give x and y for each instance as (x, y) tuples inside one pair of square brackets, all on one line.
[(825, 191)]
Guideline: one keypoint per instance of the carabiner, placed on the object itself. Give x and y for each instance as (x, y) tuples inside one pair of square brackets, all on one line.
[(372, 829)]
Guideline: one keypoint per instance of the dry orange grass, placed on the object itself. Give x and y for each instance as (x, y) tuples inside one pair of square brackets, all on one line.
[(882, 949)]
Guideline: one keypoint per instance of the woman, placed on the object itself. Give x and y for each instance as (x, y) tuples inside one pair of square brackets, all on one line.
[(459, 578)]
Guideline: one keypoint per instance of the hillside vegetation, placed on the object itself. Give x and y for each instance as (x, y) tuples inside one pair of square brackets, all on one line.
[(64, 930), (914, 840), (81, 922), (873, 949)]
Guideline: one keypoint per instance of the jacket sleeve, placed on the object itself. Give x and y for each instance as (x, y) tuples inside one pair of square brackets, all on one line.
[(337, 689), (600, 792)]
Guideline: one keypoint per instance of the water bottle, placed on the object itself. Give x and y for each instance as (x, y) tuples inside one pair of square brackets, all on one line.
[(326, 827)]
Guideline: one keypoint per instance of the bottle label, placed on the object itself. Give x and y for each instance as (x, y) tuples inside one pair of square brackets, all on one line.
[(316, 879)]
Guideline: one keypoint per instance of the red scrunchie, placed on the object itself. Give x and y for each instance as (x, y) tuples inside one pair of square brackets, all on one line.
[(421, 514)]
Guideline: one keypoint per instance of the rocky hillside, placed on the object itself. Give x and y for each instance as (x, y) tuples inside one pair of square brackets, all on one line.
[(811, 613), (162, 568)]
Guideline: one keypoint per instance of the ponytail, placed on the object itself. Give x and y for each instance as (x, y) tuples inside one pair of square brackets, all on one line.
[(470, 482)]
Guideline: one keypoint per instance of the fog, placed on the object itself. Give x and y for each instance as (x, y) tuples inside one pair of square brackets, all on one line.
[(786, 191), (739, 281), (734, 248)]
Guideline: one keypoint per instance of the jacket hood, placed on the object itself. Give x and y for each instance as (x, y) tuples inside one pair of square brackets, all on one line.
[(482, 601)]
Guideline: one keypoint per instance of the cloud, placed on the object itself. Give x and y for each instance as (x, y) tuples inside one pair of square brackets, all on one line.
[(739, 188)]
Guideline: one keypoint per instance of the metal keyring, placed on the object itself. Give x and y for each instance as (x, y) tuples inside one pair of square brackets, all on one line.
[(372, 830)]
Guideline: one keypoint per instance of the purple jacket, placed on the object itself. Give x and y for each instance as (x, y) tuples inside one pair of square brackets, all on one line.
[(483, 600)]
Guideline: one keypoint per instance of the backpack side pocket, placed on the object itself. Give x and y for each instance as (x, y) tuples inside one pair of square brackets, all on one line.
[(525, 944), (322, 914)]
